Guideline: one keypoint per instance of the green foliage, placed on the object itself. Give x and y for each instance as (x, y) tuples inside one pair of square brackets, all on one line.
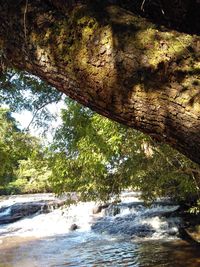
[(23, 166), (22, 91), (33, 173), (95, 157), (196, 208), (90, 155), (169, 174), (14, 145), (98, 158)]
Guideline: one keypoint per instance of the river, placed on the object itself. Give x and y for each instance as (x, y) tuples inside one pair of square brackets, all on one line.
[(128, 234)]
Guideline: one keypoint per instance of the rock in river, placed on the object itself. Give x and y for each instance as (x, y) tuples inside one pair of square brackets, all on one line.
[(18, 211)]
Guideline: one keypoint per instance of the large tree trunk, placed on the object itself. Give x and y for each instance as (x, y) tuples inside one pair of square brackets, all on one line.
[(112, 61)]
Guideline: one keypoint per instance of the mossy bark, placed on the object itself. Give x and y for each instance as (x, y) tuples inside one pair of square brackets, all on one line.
[(116, 63)]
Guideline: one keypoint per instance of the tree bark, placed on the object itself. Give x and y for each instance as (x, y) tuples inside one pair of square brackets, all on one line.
[(118, 64)]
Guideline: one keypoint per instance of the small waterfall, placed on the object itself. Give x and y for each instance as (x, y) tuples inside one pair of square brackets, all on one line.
[(123, 234), (57, 222), (130, 218)]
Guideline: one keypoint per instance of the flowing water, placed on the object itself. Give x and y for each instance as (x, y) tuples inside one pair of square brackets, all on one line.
[(126, 234)]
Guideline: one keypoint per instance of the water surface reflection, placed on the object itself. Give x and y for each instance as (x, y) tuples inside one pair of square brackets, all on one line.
[(87, 250)]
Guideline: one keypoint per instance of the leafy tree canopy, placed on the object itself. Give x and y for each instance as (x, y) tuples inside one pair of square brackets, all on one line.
[(98, 158), (23, 160), (22, 91), (14, 146)]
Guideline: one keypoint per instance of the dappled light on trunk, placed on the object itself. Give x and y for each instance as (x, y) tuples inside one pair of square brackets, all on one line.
[(117, 63)]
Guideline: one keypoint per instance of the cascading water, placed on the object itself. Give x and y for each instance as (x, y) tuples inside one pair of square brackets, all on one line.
[(136, 220), (130, 218), (124, 234)]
